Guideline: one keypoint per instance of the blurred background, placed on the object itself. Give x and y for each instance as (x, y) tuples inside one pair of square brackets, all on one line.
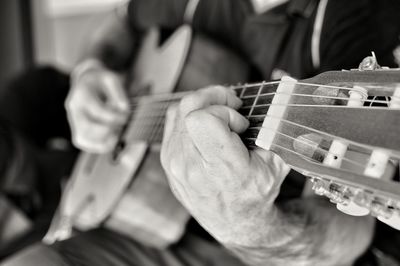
[(32, 33), (46, 32)]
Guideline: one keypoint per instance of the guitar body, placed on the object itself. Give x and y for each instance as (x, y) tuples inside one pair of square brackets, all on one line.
[(114, 187)]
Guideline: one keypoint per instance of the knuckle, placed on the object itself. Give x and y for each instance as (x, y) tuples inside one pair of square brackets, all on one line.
[(175, 166), (188, 102), (79, 142), (99, 133), (163, 157), (220, 89), (171, 111), (195, 119), (70, 102)]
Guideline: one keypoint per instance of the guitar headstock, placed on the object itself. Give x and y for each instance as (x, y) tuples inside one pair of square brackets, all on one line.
[(341, 129)]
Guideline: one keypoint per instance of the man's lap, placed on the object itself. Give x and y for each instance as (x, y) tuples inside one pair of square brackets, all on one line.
[(102, 247)]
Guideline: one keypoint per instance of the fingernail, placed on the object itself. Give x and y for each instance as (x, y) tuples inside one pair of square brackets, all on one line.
[(231, 90)]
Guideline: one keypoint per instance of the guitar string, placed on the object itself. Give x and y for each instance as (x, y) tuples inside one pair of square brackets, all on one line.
[(256, 97), (244, 87), (252, 108), (162, 113), (310, 145), (265, 105), (301, 141), (368, 147), (304, 156), (160, 124), (157, 115), (305, 127), (263, 84)]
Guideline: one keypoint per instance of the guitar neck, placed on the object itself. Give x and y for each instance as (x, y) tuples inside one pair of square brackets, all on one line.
[(344, 135), (148, 113)]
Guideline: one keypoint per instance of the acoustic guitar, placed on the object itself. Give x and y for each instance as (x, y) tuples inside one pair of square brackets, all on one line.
[(341, 129)]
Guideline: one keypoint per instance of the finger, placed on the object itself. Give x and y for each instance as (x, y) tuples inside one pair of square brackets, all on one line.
[(275, 168), (115, 93), (276, 164), (213, 131), (91, 146), (215, 95), (91, 136), (88, 100), (235, 121), (102, 113), (170, 122)]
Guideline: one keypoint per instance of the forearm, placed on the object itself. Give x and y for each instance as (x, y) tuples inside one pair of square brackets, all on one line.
[(113, 42), (308, 232)]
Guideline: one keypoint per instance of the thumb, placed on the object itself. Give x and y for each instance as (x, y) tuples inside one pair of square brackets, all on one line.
[(115, 94), (277, 166)]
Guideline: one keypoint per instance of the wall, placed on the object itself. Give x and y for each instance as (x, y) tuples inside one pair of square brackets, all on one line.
[(61, 27), (11, 42)]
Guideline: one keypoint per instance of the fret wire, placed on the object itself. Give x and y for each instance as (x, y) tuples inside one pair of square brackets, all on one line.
[(249, 85), (256, 98), (261, 94), (243, 91)]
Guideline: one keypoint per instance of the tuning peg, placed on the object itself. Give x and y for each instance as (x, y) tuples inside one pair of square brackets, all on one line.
[(357, 205), (369, 63), (393, 220), (336, 194), (380, 209), (351, 208), (320, 186)]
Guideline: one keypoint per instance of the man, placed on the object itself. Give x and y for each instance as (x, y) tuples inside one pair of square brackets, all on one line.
[(230, 191)]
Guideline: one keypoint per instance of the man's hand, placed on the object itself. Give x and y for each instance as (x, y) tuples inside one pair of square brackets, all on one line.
[(231, 191), (227, 188), (97, 107)]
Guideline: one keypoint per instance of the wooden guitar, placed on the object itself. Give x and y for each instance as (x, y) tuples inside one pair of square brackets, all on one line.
[(100, 190), (341, 129)]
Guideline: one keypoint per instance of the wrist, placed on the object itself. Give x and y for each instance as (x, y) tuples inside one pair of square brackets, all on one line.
[(258, 230), (84, 67)]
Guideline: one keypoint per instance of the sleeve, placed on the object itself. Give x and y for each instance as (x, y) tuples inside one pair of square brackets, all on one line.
[(143, 14), (223, 20), (353, 29), (219, 19)]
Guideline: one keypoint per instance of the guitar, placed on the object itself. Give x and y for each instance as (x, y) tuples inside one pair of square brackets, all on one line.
[(110, 189), (341, 129)]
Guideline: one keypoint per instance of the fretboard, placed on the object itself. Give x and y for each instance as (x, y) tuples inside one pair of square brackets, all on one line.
[(148, 112)]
